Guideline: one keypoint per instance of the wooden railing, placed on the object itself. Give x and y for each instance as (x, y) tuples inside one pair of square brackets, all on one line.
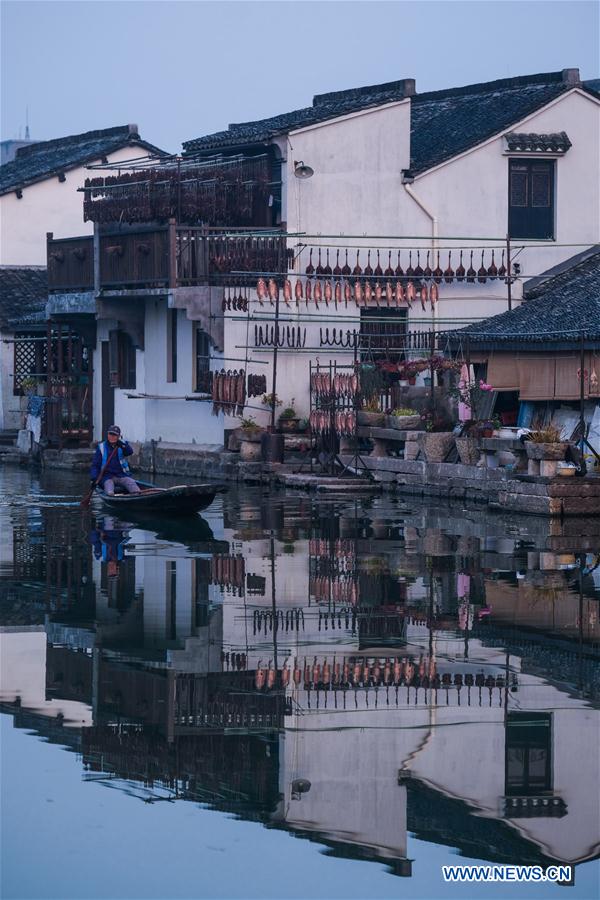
[(70, 263), (165, 257)]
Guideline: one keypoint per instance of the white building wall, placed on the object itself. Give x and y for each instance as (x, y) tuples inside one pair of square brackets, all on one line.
[(167, 420), (357, 189), (47, 205)]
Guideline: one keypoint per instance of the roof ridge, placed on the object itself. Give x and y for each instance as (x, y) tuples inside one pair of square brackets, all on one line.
[(406, 85), (39, 146), (513, 82)]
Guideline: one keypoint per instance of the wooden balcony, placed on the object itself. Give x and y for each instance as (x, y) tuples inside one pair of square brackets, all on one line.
[(70, 263), (164, 257)]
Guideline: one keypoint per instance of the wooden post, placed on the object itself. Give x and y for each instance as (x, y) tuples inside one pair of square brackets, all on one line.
[(96, 251), (172, 242)]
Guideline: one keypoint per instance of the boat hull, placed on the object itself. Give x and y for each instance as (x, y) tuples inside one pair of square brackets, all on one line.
[(181, 500)]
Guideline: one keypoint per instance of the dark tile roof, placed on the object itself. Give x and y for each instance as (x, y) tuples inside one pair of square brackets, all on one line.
[(593, 84), (325, 106), (538, 143), (23, 295), (443, 123), (46, 158), (558, 307)]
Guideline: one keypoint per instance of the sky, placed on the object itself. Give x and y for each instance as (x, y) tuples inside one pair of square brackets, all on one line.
[(186, 68)]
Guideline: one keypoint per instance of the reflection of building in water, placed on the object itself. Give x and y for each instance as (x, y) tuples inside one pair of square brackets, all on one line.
[(353, 680)]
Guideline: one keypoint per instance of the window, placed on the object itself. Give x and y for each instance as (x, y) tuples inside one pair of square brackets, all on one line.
[(30, 362), (121, 360), (528, 754), (172, 345), (531, 198), (201, 361)]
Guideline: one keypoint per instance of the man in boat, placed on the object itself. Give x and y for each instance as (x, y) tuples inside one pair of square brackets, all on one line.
[(116, 473)]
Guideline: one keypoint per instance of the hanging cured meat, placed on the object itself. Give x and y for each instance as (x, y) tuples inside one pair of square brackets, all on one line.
[(319, 269), (433, 295), (460, 269), (368, 268), (358, 293), (337, 272), (357, 269), (492, 270), (346, 268), (368, 293), (378, 270), (261, 290), (347, 293), (389, 293), (310, 269), (410, 271), (437, 272), (298, 291), (399, 293), (410, 293), (287, 292), (418, 269), (423, 296), (327, 292), (427, 270), (327, 268), (399, 271), (482, 271), (389, 272), (502, 269), (449, 271), (337, 294), (471, 273), (273, 290)]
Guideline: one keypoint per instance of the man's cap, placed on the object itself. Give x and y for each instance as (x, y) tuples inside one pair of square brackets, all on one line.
[(114, 429)]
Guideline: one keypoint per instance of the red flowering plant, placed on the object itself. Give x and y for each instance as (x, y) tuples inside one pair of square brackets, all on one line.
[(474, 395)]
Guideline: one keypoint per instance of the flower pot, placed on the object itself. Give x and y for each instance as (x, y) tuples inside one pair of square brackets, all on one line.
[(435, 445), (250, 451), (468, 450), (403, 382), (371, 419), (289, 425), (546, 451), (403, 423), (412, 380), (250, 435)]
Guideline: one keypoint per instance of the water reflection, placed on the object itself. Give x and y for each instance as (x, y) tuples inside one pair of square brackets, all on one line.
[(353, 672)]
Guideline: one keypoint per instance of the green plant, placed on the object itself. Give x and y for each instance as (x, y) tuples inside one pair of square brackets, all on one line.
[(289, 412), (404, 411), (547, 435), (249, 424), (29, 383), (268, 399), (371, 405), (475, 395)]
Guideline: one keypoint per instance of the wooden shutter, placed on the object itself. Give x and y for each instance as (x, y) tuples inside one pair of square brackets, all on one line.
[(531, 198), (114, 359)]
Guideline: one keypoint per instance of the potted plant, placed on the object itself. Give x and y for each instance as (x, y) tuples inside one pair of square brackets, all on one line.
[(403, 418), (546, 444), (371, 414), (435, 441), (250, 434), (289, 420)]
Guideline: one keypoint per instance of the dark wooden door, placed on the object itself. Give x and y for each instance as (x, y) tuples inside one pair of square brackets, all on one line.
[(108, 392)]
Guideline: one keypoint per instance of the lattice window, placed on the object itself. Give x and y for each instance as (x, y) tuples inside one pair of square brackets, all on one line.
[(30, 359)]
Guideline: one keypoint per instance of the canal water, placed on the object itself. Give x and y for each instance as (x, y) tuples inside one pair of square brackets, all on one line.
[(292, 696)]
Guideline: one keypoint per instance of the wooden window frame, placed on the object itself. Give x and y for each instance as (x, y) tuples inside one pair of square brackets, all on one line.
[(122, 360), (522, 224), (172, 338), (201, 342)]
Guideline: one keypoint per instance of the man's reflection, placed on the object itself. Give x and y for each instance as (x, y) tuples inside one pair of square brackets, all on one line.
[(108, 540)]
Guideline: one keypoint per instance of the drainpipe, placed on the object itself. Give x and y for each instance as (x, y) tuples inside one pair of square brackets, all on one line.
[(407, 180)]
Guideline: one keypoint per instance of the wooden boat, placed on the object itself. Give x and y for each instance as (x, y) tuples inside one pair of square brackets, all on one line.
[(183, 499)]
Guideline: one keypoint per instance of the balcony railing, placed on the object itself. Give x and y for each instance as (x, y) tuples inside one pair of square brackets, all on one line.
[(70, 263), (164, 257)]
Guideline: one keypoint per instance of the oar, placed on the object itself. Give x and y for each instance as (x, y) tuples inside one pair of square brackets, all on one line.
[(86, 500)]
